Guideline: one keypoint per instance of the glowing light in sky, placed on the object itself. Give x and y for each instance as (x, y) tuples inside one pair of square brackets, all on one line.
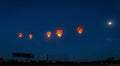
[(109, 23), (30, 36), (20, 35), (49, 34), (80, 29), (59, 32)]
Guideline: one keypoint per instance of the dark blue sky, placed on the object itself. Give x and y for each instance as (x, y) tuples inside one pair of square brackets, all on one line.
[(98, 40)]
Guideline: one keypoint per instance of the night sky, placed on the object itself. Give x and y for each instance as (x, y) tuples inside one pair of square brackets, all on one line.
[(97, 42)]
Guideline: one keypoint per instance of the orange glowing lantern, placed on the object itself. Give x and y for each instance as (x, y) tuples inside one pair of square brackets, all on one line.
[(59, 32), (30, 36), (49, 34), (80, 29), (20, 35)]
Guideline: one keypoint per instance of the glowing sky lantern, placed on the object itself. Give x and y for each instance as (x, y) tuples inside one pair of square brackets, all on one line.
[(20, 35), (49, 34), (80, 29), (59, 32), (30, 36), (110, 23)]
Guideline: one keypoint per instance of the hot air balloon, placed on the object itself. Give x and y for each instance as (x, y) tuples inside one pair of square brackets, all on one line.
[(20, 35), (59, 32), (30, 36), (48, 34), (80, 29)]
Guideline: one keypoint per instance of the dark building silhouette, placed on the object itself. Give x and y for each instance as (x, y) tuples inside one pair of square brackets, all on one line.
[(24, 55)]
